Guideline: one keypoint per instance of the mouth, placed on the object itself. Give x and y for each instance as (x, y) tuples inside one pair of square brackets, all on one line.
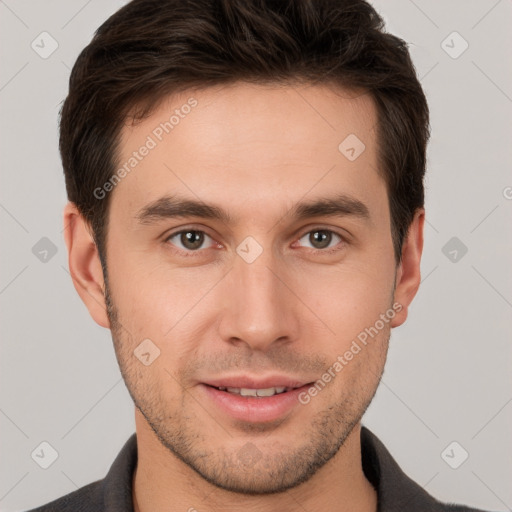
[(256, 393), (255, 405)]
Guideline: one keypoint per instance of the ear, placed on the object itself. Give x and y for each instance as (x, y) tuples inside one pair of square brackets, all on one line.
[(408, 276), (85, 264)]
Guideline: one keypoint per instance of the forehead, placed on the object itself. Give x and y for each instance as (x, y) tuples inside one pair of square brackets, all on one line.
[(251, 144)]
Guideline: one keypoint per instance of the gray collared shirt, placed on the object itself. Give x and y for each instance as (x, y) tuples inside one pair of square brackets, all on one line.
[(395, 490)]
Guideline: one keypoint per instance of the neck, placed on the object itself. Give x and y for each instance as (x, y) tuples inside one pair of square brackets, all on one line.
[(162, 482), (161, 479)]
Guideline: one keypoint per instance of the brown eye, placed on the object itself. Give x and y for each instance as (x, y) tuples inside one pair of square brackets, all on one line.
[(321, 239), (190, 240)]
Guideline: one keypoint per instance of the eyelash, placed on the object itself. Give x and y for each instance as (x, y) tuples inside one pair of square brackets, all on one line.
[(191, 253)]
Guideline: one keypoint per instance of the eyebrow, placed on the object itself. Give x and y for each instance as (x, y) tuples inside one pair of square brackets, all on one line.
[(169, 207)]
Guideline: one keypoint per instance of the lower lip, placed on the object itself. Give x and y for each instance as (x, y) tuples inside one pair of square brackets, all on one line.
[(254, 409)]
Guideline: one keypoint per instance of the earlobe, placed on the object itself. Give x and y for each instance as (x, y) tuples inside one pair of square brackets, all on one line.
[(408, 275), (84, 264)]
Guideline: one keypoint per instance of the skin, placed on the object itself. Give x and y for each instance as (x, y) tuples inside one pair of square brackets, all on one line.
[(294, 310)]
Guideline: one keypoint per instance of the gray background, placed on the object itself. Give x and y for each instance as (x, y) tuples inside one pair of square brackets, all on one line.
[(448, 373)]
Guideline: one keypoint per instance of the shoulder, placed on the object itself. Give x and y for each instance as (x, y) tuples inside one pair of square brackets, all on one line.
[(86, 499), (454, 507), (114, 492), (395, 490)]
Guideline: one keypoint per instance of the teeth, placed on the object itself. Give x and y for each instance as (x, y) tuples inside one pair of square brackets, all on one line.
[(248, 392), (255, 392)]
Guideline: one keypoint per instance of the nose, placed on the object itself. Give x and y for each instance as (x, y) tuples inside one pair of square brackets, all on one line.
[(258, 309)]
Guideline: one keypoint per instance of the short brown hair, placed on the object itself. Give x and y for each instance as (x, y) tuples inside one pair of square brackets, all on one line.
[(150, 49)]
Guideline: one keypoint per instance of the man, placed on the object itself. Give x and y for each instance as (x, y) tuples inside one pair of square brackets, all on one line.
[(245, 183)]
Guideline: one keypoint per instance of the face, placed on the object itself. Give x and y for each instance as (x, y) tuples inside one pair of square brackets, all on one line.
[(277, 279)]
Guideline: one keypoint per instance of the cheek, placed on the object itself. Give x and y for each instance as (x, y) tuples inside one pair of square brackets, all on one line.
[(163, 303), (348, 298), (135, 279)]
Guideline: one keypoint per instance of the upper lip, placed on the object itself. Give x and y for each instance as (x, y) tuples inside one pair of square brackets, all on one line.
[(250, 382)]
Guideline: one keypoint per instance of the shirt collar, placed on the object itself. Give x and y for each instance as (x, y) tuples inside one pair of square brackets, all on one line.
[(395, 490)]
